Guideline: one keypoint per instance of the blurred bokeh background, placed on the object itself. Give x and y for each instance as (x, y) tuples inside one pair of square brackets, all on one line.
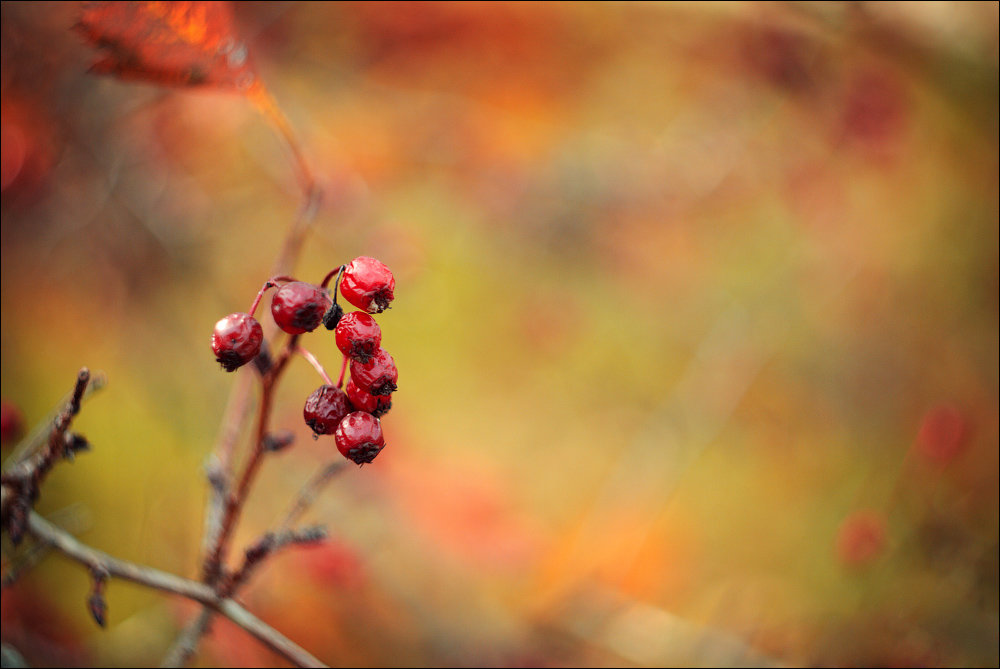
[(696, 324)]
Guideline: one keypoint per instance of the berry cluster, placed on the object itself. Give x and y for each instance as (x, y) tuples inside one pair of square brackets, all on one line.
[(351, 415)]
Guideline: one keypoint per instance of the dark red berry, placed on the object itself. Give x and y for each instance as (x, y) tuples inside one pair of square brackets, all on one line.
[(11, 422), (299, 307), (325, 408), (362, 400), (378, 376), (359, 437), (368, 284), (358, 336), (236, 340)]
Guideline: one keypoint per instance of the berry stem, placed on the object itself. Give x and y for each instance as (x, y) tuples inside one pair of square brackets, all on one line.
[(315, 363), (213, 567), (343, 370), (270, 283), (339, 272)]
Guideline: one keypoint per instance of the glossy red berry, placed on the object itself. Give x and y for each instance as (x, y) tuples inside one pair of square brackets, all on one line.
[(325, 408), (236, 340), (299, 307), (368, 284), (359, 437), (378, 376), (358, 336), (362, 400)]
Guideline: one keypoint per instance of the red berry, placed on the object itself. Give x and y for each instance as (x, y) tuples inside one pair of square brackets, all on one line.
[(368, 285), (236, 340), (358, 336), (362, 400), (378, 376), (359, 437), (325, 408), (861, 538), (299, 307), (943, 434), (11, 422)]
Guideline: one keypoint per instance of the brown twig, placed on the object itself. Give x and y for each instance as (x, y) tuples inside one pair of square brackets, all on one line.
[(102, 563), (212, 568), (185, 646)]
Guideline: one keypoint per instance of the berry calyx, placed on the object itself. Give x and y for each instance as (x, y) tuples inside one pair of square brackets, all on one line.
[(362, 400), (325, 408), (236, 340), (368, 284), (358, 336), (378, 376), (299, 307), (359, 437)]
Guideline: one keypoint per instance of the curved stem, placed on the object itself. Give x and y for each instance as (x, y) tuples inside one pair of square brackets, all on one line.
[(343, 370), (338, 272), (270, 283), (315, 363)]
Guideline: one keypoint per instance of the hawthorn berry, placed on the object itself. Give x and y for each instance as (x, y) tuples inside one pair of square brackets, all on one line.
[(378, 376), (362, 400), (358, 336), (368, 284), (359, 437), (299, 307), (325, 408), (236, 340)]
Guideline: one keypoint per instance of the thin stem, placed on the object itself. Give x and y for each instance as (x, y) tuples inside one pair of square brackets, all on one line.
[(100, 562), (315, 363), (343, 370), (270, 283), (234, 501), (338, 272)]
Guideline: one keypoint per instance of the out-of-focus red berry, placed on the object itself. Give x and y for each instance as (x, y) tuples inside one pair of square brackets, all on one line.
[(943, 434), (861, 538), (11, 422)]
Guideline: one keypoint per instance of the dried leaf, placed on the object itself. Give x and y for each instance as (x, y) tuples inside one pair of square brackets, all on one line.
[(168, 43)]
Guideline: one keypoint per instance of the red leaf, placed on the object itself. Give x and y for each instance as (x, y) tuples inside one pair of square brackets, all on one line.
[(168, 43)]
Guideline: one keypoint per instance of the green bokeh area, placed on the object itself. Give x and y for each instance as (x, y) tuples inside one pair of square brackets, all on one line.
[(696, 327)]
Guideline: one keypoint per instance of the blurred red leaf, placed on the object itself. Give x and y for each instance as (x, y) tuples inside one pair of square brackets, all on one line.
[(168, 43)]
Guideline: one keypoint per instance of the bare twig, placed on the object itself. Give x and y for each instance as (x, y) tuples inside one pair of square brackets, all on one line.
[(100, 562), (186, 644), (22, 479)]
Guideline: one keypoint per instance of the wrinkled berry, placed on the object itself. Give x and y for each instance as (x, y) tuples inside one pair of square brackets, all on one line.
[(325, 408), (236, 340), (358, 336), (378, 376), (299, 307), (359, 437), (361, 400), (368, 284)]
